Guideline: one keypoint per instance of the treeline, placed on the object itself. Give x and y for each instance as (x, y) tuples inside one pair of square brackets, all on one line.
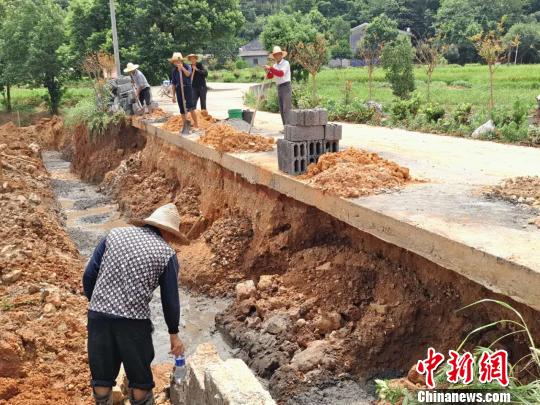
[(455, 21)]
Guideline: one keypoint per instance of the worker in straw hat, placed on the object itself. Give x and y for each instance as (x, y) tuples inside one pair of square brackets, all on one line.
[(142, 88), (120, 277), (198, 82), (182, 90), (281, 73)]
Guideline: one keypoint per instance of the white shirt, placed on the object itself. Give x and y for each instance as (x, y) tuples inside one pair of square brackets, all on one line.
[(285, 67)]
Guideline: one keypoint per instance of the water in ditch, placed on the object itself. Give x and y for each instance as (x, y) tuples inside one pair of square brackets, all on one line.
[(88, 216)]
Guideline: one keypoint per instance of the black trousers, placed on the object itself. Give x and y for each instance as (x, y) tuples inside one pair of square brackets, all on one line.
[(200, 93), (115, 341), (145, 96)]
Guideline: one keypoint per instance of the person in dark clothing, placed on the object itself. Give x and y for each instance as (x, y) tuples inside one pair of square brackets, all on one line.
[(198, 82), (120, 277), (181, 77)]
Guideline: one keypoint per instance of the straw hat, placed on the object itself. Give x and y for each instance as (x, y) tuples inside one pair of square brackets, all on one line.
[(130, 67), (176, 56), (165, 218), (278, 49), (192, 55)]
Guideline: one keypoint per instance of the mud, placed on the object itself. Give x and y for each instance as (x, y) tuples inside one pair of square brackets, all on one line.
[(226, 138), (353, 173), (327, 300)]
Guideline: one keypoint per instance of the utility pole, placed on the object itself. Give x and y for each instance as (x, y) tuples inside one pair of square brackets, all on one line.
[(115, 39)]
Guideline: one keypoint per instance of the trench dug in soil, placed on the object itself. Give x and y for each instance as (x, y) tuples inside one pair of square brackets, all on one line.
[(329, 308)]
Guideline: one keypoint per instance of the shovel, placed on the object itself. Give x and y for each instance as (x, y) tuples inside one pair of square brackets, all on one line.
[(187, 124), (138, 108)]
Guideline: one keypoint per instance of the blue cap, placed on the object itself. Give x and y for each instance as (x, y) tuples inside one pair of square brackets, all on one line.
[(180, 361)]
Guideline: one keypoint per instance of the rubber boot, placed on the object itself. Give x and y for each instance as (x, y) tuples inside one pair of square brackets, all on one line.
[(148, 400), (103, 399)]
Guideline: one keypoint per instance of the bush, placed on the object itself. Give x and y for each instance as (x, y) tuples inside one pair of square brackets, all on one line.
[(533, 134), (513, 132), (97, 122), (397, 60), (271, 102), (502, 116), (433, 112), (237, 74), (228, 78), (462, 114), (241, 64), (403, 109)]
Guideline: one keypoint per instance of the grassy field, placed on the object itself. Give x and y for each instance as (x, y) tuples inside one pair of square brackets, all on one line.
[(33, 100)]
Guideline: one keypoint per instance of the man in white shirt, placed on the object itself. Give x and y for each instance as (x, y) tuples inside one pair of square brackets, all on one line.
[(281, 73), (141, 84)]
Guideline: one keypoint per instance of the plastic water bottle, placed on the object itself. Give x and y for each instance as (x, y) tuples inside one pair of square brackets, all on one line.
[(179, 369)]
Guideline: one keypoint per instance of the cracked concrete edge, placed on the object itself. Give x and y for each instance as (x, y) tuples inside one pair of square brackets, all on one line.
[(498, 274)]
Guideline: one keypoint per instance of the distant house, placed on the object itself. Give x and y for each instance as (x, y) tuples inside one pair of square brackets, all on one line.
[(358, 32), (254, 53)]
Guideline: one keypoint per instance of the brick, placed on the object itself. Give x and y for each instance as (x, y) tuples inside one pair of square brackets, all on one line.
[(311, 117), (296, 117), (331, 146), (323, 116), (292, 156), (303, 133), (333, 132)]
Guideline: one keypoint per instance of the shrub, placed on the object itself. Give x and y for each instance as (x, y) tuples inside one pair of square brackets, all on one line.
[(97, 122), (402, 109), (397, 60), (271, 102), (533, 134), (228, 78), (241, 64), (502, 116), (462, 114), (513, 132), (215, 77), (237, 74), (433, 112)]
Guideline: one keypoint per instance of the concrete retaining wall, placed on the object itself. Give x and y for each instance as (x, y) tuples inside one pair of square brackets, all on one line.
[(212, 381)]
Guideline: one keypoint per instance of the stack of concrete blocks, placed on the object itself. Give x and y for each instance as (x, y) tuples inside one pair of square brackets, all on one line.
[(308, 135), (212, 381)]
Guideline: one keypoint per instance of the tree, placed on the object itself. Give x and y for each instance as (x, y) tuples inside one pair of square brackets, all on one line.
[(287, 31), (491, 48), (428, 54), (378, 33), (397, 60), (31, 35), (313, 56), (529, 42)]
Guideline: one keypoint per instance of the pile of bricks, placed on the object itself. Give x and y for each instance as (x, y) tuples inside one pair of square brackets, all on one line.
[(308, 135)]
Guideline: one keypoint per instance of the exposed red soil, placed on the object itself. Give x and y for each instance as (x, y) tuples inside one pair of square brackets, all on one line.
[(42, 313), (225, 138), (354, 173), (326, 298), (176, 122)]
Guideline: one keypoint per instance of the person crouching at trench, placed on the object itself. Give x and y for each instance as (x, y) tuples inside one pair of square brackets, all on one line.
[(182, 90), (120, 277)]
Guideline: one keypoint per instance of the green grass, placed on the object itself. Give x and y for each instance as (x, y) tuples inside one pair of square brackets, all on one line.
[(512, 83), (33, 100)]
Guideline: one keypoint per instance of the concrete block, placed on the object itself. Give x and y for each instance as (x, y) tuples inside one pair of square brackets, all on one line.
[(233, 383), (333, 132), (315, 150), (311, 117), (323, 116), (296, 117), (331, 146), (303, 133), (292, 156)]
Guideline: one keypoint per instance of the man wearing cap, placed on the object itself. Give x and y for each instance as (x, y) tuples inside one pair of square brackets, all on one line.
[(198, 82), (281, 73), (142, 87), (120, 277), (182, 90)]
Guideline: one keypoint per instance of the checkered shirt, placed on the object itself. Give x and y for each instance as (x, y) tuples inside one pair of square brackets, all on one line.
[(133, 261)]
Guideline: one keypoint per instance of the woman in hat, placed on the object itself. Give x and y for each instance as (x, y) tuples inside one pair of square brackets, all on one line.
[(199, 81), (138, 79), (119, 280), (182, 90), (281, 72)]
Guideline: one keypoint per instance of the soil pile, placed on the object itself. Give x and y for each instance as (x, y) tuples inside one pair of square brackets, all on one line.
[(42, 313), (354, 173), (176, 122), (225, 138), (519, 190), (156, 113)]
